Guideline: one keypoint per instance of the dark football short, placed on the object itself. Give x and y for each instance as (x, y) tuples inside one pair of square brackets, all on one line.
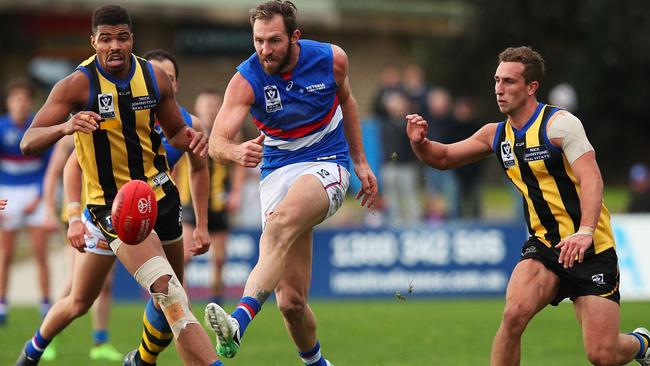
[(596, 275), (168, 223), (217, 220)]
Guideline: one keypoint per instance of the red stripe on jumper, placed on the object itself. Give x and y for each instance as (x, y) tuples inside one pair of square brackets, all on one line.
[(301, 131)]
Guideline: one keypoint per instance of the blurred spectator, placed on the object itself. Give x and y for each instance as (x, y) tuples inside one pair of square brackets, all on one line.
[(415, 88), (21, 180), (390, 81), (468, 176), (640, 189), (442, 190), (400, 171)]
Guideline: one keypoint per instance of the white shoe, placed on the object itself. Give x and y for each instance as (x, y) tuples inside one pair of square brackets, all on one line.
[(226, 329), (645, 360)]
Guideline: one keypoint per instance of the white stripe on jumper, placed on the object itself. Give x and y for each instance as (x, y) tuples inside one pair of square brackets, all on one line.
[(308, 140)]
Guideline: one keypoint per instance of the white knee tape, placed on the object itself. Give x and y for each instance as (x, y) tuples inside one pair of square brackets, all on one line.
[(152, 270), (175, 306)]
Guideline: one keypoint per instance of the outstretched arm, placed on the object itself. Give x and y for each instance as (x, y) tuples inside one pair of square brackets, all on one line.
[(224, 148), (48, 125), (352, 129), (447, 156)]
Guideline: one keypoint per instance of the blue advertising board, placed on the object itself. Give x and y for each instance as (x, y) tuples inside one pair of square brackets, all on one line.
[(464, 259)]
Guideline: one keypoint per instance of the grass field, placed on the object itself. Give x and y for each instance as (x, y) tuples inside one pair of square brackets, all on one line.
[(374, 333)]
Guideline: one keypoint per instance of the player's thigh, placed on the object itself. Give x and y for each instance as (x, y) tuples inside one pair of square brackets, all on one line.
[(218, 246), (134, 256), (89, 273), (174, 251), (600, 320), (305, 205), (7, 241), (38, 240), (532, 286), (296, 277)]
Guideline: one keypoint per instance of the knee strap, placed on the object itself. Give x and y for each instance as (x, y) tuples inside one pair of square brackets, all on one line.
[(174, 303)]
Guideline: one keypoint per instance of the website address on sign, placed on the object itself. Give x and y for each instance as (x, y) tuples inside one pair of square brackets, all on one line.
[(423, 282)]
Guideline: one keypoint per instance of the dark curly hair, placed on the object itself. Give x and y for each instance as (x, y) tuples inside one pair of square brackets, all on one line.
[(111, 15)]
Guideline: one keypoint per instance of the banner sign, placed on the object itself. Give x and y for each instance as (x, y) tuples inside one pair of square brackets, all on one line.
[(453, 260), (631, 235)]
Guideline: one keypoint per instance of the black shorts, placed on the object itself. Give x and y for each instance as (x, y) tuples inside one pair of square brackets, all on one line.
[(168, 223), (217, 220), (596, 275)]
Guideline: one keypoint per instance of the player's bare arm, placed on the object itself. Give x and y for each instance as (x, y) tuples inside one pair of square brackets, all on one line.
[(447, 156), (53, 172), (68, 95), (72, 187), (199, 188), (180, 135), (352, 129), (237, 101), (590, 180)]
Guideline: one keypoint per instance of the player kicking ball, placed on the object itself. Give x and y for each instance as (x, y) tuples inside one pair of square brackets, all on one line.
[(299, 96)]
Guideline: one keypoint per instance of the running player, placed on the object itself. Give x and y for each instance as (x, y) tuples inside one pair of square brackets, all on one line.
[(102, 349), (115, 142), (299, 96), (545, 153), (21, 178)]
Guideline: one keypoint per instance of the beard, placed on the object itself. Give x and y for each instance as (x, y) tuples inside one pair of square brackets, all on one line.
[(281, 65)]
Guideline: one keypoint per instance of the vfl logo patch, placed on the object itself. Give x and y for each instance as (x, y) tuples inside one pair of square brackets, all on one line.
[(536, 153), (598, 279), (507, 155), (106, 105), (272, 98)]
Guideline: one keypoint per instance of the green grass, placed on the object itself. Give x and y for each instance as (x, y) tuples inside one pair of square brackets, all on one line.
[(373, 333)]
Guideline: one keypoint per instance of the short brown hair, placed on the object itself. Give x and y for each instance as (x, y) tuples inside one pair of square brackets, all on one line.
[(20, 84), (267, 10), (532, 60)]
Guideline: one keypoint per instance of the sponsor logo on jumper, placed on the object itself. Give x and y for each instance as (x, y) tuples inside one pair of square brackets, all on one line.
[(143, 102), (289, 86), (272, 99), (315, 87), (507, 155), (106, 105), (536, 153)]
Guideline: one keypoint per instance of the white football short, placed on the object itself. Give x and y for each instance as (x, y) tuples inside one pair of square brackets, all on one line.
[(13, 216), (96, 242), (334, 178)]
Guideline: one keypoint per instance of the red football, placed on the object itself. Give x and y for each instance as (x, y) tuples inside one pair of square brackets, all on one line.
[(134, 212)]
